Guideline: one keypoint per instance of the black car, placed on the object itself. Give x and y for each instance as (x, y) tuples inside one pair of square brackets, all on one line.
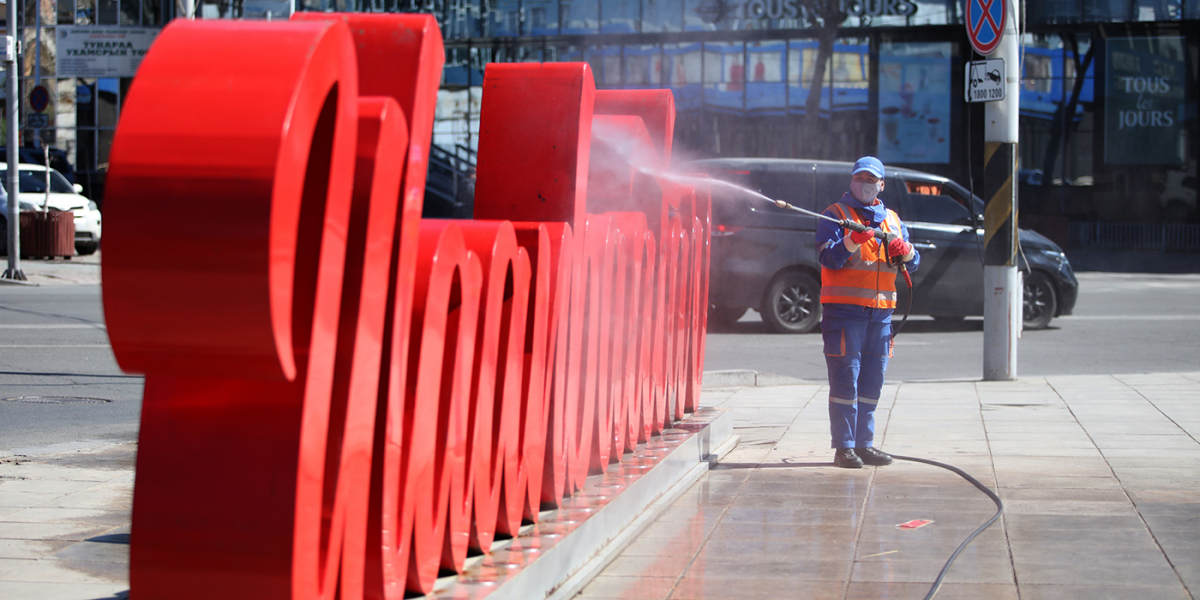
[(765, 257)]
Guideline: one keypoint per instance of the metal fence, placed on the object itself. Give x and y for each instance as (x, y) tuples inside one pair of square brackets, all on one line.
[(1135, 236)]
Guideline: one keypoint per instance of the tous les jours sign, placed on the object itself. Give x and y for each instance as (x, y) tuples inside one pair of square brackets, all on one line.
[(1145, 115), (1144, 101)]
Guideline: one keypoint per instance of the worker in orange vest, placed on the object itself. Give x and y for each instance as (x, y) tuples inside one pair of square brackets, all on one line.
[(858, 296)]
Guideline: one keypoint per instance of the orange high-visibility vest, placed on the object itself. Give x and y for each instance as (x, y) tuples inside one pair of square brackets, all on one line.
[(865, 279)]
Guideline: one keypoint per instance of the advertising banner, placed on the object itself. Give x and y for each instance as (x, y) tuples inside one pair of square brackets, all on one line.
[(89, 51), (914, 103), (1144, 101)]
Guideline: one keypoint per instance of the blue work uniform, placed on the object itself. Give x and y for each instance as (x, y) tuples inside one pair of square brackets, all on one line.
[(857, 339)]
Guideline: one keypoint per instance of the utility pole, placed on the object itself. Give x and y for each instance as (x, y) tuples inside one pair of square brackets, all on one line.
[(1003, 296), (13, 102)]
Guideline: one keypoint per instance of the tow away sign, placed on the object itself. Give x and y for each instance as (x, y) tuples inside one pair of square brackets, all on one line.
[(985, 80)]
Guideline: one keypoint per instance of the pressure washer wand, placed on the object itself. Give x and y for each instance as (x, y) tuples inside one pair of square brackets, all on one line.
[(852, 225)]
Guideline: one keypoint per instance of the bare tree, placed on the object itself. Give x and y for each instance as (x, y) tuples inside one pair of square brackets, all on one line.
[(825, 16), (1064, 117)]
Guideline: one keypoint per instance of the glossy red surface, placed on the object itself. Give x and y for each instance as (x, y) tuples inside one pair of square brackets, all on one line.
[(342, 398), (495, 401), (554, 482), (631, 384), (238, 335), (538, 117), (436, 404), (232, 185), (382, 138), (544, 257)]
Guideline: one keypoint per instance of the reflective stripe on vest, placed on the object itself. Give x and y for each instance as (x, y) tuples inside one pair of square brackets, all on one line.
[(865, 279)]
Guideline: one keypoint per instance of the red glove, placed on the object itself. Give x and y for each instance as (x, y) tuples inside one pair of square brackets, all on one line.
[(899, 248), (861, 237)]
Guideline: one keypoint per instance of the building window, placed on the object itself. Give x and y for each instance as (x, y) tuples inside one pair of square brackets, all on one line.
[(620, 16), (662, 15), (580, 16), (643, 66), (542, 16)]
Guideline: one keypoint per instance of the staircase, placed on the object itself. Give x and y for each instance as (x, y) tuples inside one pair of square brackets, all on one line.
[(450, 184)]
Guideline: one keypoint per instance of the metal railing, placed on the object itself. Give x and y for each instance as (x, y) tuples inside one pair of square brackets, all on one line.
[(1162, 237), (449, 172)]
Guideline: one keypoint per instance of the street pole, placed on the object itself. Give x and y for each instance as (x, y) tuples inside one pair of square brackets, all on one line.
[(1003, 296), (12, 102)]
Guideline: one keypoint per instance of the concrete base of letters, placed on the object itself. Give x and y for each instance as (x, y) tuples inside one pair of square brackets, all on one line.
[(556, 557)]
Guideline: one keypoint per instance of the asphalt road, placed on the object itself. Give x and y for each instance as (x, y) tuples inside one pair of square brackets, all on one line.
[(53, 343), (54, 347), (1122, 323)]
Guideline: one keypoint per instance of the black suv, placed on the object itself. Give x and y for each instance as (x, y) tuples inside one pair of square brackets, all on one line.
[(765, 257)]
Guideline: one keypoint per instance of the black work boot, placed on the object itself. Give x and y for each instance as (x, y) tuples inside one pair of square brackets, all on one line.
[(873, 457), (847, 459)]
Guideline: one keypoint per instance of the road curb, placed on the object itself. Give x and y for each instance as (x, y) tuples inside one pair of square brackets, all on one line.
[(748, 378)]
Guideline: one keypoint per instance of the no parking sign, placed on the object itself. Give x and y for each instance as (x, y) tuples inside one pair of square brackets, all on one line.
[(985, 24), (39, 98)]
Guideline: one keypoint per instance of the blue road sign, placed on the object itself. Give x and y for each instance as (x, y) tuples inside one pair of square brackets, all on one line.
[(985, 24), (39, 98)]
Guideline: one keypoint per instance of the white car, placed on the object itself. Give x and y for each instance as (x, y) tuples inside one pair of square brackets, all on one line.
[(63, 196)]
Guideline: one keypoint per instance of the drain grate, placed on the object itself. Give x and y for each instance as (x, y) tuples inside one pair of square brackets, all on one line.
[(56, 400)]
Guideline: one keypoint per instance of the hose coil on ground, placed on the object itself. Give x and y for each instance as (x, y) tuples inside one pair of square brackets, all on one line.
[(937, 583)]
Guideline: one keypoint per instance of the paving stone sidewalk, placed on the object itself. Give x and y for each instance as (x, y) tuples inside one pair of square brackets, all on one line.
[(57, 271), (1100, 476), (64, 521)]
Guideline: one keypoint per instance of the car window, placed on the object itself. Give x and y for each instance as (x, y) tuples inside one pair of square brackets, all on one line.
[(831, 186), (925, 188), (35, 182), (745, 202), (961, 195), (730, 203), (938, 209), (935, 202), (794, 188)]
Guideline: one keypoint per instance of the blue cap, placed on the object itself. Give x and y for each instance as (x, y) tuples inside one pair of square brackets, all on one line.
[(869, 164)]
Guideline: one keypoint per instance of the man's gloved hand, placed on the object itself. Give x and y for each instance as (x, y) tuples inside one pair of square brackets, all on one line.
[(861, 237), (898, 248)]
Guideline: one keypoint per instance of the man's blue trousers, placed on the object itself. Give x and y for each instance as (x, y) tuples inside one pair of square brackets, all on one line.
[(856, 353)]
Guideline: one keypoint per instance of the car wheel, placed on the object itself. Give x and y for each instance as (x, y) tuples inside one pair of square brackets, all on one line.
[(1040, 301), (723, 317), (86, 248), (792, 304)]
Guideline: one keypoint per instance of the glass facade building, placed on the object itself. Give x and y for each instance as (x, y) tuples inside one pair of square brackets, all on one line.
[(1108, 123), (81, 113)]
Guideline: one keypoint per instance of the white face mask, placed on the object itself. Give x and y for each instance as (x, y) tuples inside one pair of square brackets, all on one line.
[(864, 192)]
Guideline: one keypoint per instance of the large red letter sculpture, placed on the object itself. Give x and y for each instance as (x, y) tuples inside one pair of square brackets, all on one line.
[(342, 399)]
